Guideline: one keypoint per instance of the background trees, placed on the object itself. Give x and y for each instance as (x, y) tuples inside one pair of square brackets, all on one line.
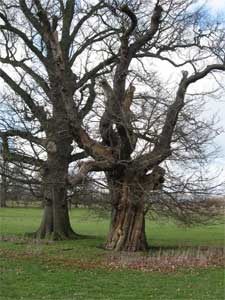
[(70, 54)]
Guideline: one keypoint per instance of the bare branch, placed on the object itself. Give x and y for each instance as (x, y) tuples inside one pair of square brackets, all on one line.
[(38, 111)]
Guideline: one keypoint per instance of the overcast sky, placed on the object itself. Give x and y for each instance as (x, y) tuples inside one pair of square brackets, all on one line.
[(218, 7)]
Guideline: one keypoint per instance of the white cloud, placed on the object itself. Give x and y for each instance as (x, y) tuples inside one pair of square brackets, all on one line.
[(216, 5)]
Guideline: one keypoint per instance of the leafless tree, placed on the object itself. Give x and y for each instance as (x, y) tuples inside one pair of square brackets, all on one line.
[(71, 53), (44, 58), (145, 123)]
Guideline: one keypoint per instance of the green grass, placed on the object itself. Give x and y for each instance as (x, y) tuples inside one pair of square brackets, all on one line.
[(73, 269), (18, 221)]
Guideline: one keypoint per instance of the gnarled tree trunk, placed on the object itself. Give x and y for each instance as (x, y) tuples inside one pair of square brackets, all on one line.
[(127, 230)]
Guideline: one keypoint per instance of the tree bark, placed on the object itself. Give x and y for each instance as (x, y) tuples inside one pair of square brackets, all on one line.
[(3, 185), (127, 229), (3, 193), (55, 221)]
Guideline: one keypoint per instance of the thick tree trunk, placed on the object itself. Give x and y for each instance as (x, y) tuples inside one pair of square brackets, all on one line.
[(127, 230), (55, 222)]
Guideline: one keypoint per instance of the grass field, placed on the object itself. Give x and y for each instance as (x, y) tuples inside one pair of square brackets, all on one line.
[(81, 269)]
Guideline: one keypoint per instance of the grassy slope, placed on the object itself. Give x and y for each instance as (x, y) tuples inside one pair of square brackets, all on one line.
[(50, 271)]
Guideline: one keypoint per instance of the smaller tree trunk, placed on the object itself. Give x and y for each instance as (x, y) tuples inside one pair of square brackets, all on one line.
[(55, 222), (127, 230), (3, 196), (3, 191)]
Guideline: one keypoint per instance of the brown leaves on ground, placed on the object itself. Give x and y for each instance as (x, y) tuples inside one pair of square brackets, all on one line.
[(159, 260), (165, 261), (25, 240)]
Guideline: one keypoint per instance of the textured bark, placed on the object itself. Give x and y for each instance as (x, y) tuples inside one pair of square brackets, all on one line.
[(127, 230)]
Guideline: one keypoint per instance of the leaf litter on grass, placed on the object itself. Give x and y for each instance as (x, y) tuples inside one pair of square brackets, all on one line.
[(164, 261), (159, 260)]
